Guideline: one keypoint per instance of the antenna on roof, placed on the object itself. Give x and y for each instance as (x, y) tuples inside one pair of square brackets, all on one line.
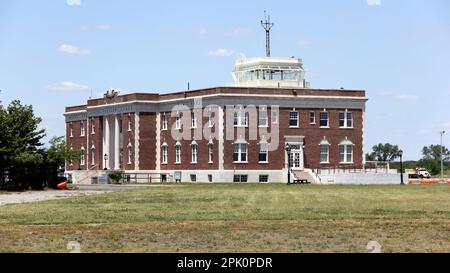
[(267, 25)]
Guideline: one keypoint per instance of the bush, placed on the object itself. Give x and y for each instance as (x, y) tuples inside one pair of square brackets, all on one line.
[(115, 176)]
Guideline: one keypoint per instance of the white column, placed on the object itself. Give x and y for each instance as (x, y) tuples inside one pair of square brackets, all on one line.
[(136, 141), (221, 136), (116, 143), (158, 141), (106, 139)]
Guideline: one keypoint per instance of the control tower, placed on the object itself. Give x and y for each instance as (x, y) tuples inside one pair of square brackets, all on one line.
[(269, 71)]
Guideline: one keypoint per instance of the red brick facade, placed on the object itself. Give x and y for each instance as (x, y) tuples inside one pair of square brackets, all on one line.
[(149, 137)]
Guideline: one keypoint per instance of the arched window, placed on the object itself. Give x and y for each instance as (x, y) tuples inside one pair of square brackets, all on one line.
[(178, 153), (346, 151), (210, 152), (324, 151), (93, 155), (82, 157), (165, 149), (194, 152), (130, 153)]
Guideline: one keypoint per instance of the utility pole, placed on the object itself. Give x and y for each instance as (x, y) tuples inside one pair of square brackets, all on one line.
[(442, 157), (267, 25)]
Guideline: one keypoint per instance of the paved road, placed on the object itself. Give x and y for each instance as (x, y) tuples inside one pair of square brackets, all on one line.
[(110, 188)]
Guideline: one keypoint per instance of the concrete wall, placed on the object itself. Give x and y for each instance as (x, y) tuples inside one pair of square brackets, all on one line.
[(363, 179)]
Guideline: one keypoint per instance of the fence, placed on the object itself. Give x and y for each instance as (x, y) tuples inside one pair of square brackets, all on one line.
[(369, 167), (146, 178)]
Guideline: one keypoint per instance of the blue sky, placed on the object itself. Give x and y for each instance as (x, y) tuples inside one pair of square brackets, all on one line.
[(55, 53)]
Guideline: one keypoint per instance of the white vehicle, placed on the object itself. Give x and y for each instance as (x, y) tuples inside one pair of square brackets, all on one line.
[(418, 173)]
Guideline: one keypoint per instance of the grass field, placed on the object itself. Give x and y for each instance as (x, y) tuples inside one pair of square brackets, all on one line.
[(236, 218)]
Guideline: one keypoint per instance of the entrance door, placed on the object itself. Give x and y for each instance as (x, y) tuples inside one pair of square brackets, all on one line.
[(295, 160)]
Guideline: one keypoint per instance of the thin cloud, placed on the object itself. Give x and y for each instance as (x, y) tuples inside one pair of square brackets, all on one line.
[(238, 31), (406, 97), (70, 49), (374, 2), (103, 26), (221, 52), (73, 2), (67, 86)]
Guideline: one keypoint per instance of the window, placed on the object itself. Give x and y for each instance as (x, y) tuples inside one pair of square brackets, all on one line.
[(130, 153), (346, 119), (71, 150), (211, 119), (178, 121), (264, 178), (274, 117), (210, 178), (293, 119), (193, 177), (82, 157), (312, 117), (240, 118), (164, 154), (346, 152), (263, 119), (240, 152), (129, 122), (210, 153), (240, 178), (93, 155), (324, 153), (92, 126), (178, 154), (263, 158), (324, 119), (193, 119), (194, 150), (164, 121), (82, 130), (71, 129)]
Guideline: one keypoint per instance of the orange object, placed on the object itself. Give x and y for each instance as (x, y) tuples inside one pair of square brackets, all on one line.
[(62, 186)]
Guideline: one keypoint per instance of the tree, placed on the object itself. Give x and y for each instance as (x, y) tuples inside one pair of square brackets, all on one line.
[(20, 142), (432, 158), (56, 156), (384, 152)]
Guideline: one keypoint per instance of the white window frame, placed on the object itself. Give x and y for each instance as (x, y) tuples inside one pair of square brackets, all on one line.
[(291, 118), (261, 151), (178, 154), (274, 116), (312, 115), (328, 119), (240, 118), (82, 129), (71, 129), (92, 126), (93, 155), (324, 152), (348, 122), (164, 122), (71, 161), (129, 123), (210, 153), (178, 121), (240, 152), (194, 153), (263, 121), (344, 148), (193, 119), (130, 153), (82, 156), (165, 153)]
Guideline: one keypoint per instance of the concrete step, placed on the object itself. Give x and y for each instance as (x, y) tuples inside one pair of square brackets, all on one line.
[(305, 174)]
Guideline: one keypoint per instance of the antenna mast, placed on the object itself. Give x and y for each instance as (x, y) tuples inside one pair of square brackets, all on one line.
[(267, 25)]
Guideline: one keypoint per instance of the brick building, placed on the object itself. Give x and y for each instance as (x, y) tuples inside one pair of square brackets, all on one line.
[(232, 133)]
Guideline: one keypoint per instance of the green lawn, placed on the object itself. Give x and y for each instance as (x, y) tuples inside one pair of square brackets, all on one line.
[(236, 218)]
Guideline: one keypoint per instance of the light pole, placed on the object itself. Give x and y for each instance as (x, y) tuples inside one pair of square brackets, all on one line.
[(288, 150), (442, 157), (400, 153), (105, 157)]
